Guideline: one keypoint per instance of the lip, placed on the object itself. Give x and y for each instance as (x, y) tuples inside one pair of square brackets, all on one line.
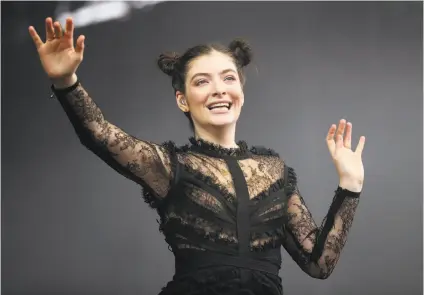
[(221, 111), (221, 101)]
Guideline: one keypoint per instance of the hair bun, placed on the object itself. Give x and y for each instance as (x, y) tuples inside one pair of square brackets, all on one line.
[(167, 62), (241, 51)]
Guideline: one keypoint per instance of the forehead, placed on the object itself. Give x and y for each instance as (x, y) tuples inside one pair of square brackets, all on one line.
[(213, 62)]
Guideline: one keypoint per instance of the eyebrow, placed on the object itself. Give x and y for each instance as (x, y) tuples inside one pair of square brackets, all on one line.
[(206, 74)]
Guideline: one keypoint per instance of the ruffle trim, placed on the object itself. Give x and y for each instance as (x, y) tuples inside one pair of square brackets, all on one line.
[(263, 151), (198, 225), (198, 144), (272, 240), (149, 196), (229, 197), (275, 187), (291, 181), (266, 240), (207, 146)]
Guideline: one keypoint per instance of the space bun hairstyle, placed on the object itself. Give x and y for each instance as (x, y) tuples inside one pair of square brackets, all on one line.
[(176, 66), (241, 52)]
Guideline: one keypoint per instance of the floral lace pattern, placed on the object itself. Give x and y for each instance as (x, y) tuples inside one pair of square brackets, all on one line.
[(193, 191)]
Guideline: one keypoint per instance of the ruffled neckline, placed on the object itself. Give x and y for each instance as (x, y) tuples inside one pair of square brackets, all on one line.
[(213, 149)]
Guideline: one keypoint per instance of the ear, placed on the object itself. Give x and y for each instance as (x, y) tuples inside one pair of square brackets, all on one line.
[(182, 101)]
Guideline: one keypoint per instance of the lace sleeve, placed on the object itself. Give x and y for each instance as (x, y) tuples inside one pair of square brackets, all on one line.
[(317, 249), (145, 163)]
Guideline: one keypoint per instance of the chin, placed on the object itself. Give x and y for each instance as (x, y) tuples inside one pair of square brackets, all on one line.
[(219, 118), (221, 121)]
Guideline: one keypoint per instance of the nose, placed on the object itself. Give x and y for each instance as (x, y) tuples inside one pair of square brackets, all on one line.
[(219, 89)]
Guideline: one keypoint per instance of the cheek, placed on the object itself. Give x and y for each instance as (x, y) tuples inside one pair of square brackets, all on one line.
[(198, 97), (238, 94)]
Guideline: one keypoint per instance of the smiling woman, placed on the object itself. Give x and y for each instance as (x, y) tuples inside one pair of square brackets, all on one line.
[(208, 83), (225, 208)]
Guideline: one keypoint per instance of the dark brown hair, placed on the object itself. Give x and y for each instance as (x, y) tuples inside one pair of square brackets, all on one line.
[(176, 66)]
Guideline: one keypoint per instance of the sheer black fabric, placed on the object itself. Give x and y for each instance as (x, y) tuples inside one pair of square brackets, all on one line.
[(225, 213)]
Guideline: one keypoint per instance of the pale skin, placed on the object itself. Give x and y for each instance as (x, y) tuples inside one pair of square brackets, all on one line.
[(213, 78), (210, 79)]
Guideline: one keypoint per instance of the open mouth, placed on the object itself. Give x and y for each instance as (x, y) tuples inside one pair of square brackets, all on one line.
[(220, 106)]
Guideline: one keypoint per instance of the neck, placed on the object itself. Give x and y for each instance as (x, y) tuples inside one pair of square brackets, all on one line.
[(223, 136)]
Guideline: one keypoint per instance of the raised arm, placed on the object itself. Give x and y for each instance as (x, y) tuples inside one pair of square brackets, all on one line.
[(146, 163), (317, 249)]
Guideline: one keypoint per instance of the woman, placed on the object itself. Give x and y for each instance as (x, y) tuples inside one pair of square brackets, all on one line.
[(226, 208)]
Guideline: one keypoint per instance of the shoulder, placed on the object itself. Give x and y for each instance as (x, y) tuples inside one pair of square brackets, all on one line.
[(260, 150), (290, 175), (288, 171), (173, 148), (267, 156)]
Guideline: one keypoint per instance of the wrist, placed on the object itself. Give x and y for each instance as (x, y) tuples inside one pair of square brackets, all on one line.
[(65, 82), (351, 185)]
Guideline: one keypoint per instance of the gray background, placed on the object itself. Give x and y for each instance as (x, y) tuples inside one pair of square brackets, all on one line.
[(71, 225)]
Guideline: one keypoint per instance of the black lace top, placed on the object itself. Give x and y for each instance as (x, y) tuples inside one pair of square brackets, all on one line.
[(225, 213)]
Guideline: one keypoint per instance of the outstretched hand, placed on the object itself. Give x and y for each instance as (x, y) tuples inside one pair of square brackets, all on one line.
[(59, 58), (348, 163)]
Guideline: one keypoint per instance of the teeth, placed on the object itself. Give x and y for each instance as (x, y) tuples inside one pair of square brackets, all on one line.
[(220, 105), (227, 105)]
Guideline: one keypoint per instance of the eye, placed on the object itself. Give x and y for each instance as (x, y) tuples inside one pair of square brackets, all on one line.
[(200, 82), (230, 78)]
